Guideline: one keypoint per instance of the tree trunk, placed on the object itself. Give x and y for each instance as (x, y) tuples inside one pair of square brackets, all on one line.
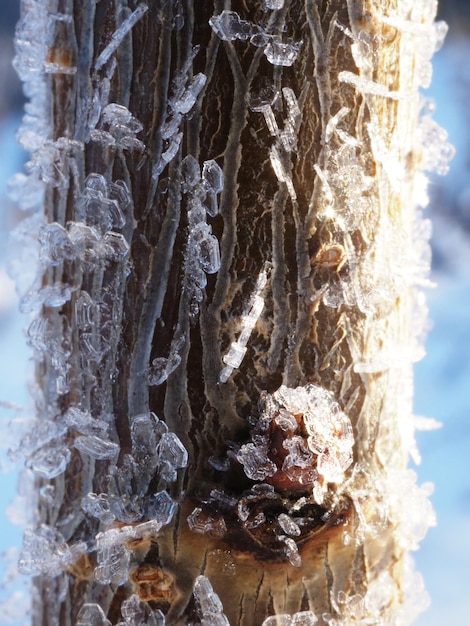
[(227, 309)]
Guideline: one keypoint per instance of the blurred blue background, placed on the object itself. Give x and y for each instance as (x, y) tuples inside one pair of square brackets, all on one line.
[(442, 378)]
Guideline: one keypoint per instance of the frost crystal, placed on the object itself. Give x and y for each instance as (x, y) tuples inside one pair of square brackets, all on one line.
[(92, 614), (278, 620), (248, 321), (212, 176), (304, 618), (161, 507), (282, 53), (96, 447), (273, 4), (190, 171), (50, 461), (172, 455), (366, 86), (288, 525), (46, 552), (113, 558), (188, 98), (98, 506), (255, 462), (137, 613), (210, 606), (228, 26), (291, 550), (203, 522)]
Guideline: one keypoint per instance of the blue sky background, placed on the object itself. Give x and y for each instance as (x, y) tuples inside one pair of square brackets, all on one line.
[(442, 378)]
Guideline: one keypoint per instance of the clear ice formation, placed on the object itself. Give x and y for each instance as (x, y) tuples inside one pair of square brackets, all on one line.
[(138, 613), (286, 139), (273, 5), (302, 618), (234, 357), (91, 614), (228, 26), (118, 128), (119, 35), (202, 247), (322, 457), (209, 604), (185, 93)]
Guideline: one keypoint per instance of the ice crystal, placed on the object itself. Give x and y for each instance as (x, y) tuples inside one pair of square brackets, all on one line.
[(45, 551), (287, 525), (97, 505), (229, 26), (291, 550), (210, 606), (91, 614), (50, 461), (119, 34), (304, 618), (234, 357), (283, 53), (212, 176), (255, 462), (278, 620), (121, 126), (273, 4), (188, 98), (137, 613), (172, 455), (191, 172), (161, 507), (204, 521), (366, 86), (96, 447)]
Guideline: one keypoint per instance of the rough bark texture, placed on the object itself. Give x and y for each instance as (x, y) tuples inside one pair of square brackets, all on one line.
[(319, 207)]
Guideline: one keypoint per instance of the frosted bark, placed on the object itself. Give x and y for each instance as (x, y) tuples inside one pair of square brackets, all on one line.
[(227, 308)]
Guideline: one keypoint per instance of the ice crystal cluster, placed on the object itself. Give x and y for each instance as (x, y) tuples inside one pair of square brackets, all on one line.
[(317, 439), (229, 27), (303, 458)]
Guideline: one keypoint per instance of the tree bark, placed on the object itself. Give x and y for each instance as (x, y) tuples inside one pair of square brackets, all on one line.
[(238, 426)]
